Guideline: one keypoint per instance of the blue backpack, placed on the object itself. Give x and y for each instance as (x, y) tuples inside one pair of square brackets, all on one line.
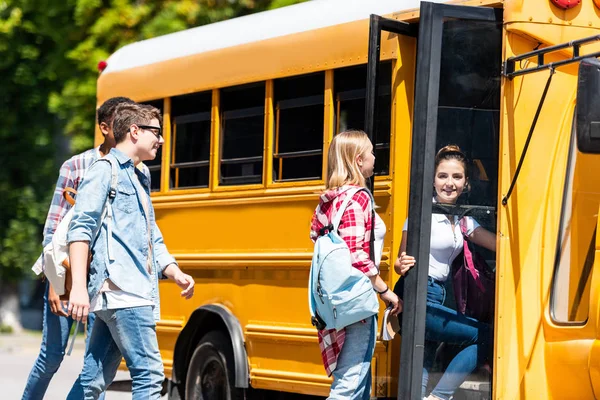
[(339, 294)]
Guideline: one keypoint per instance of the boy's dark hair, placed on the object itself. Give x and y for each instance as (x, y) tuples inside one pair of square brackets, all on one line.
[(107, 109), (129, 114)]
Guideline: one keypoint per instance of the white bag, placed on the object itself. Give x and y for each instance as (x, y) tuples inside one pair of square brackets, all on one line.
[(56, 253)]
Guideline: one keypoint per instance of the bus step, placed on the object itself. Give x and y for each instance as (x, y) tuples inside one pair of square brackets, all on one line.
[(475, 387)]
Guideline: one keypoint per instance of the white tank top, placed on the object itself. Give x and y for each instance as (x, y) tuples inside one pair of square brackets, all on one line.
[(380, 231)]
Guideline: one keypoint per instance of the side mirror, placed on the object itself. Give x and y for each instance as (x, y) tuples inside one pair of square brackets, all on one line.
[(588, 106)]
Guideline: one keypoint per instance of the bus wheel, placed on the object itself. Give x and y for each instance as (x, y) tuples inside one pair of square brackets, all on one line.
[(211, 371)]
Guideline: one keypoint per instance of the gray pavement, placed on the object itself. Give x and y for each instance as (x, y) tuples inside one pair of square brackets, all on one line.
[(17, 355)]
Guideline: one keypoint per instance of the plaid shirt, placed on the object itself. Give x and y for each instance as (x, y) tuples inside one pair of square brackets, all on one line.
[(70, 175), (355, 230)]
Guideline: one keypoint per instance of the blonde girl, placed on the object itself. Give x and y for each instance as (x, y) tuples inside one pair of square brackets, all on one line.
[(347, 353)]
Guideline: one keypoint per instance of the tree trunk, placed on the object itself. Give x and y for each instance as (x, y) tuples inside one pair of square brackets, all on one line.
[(10, 313)]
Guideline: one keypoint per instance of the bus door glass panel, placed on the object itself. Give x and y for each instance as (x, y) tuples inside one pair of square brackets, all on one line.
[(190, 137), (576, 247), (469, 109), (349, 94), (154, 165), (242, 134), (462, 67)]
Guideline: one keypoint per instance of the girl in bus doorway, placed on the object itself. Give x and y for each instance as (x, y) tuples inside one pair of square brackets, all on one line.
[(347, 353), (443, 324)]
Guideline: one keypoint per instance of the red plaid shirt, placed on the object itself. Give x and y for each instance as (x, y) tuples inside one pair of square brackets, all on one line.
[(355, 230)]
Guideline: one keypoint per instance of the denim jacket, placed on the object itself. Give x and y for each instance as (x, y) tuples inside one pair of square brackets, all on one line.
[(130, 248)]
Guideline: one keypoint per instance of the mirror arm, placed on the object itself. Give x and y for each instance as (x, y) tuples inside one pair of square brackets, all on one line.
[(524, 152)]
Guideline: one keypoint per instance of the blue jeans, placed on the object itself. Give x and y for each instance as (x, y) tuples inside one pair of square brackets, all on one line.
[(129, 333), (55, 336), (443, 324), (352, 375)]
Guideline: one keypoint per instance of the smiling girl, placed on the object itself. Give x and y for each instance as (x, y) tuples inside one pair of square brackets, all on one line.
[(443, 324)]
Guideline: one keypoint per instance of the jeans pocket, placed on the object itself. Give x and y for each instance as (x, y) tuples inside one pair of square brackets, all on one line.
[(436, 293)]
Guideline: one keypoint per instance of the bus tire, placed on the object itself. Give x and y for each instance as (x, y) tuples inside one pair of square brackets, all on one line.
[(210, 375)]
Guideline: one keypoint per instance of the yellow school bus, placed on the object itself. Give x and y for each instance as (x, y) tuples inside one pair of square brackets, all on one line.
[(250, 106)]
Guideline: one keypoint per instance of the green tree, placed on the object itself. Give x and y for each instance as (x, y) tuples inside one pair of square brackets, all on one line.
[(32, 45), (50, 51), (124, 22)]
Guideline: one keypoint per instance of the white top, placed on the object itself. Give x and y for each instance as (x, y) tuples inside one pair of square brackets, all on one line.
[(116, 299), (446, 243), (283, 21), (380, 231)]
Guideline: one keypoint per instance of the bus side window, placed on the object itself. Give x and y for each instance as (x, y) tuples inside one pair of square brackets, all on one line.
[(298, 147), (190, 135), (350, 91), (242, 134), (154, 165)]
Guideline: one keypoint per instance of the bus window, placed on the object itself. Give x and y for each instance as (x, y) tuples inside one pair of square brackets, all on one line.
[(190, 135), (298, 150), (350, 91), (576, 245), (242, 134), (154, 165)]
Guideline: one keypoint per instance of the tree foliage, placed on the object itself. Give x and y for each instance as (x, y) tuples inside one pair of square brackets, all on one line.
[(50, 52)]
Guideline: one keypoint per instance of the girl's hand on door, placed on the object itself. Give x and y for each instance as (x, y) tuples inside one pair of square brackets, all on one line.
[(404, 263)]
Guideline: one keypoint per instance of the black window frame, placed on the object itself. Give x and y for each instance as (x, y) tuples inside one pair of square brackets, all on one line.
[(246, 112), (379, 91), (176, 166), (292, 103)]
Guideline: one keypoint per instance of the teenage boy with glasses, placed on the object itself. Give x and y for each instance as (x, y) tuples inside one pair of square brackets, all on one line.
[(122, 293), (56, 325)]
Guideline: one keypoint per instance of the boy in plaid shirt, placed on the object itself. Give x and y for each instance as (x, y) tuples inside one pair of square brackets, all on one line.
[(56, 324)]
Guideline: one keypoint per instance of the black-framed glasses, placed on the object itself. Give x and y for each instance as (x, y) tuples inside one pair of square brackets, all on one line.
[(157, 133)]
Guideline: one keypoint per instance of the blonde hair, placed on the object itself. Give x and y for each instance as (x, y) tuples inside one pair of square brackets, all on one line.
[(342, 168)]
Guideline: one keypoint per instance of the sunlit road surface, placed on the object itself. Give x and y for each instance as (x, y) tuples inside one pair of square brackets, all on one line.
[(17, 355)]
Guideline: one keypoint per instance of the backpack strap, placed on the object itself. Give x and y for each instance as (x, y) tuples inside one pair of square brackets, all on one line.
[(335, 223), (107, 212), (468, 255)]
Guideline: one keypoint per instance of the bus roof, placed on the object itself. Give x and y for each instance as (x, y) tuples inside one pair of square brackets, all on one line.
[(301, 17)]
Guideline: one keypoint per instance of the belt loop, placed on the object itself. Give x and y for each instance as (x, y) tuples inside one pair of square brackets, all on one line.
[(104, 302), (443, 294)]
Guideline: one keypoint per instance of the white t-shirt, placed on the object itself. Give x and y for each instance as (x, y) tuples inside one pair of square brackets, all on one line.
[(380, 231), (446, 244), (116, 299)]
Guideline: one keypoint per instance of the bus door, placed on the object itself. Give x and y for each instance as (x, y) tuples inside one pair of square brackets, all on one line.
[(374, 92), (457, 101)]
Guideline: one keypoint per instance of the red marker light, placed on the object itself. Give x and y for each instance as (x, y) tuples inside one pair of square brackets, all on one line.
[(566, 4), (102, 65)]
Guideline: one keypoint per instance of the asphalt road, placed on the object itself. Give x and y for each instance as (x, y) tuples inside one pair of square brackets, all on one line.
[(17, 355)]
